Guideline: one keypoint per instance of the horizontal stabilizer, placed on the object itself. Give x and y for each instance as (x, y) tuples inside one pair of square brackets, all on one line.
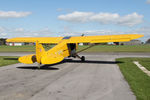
[(29, 59)]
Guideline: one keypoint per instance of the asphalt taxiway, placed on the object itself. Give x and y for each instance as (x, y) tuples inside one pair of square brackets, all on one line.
[(98, 78)]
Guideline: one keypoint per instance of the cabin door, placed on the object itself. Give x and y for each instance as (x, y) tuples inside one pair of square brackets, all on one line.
[(72, 49)]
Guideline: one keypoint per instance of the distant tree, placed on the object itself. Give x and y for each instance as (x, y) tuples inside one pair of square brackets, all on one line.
[(148, 41), (121, 44), (2, 41)]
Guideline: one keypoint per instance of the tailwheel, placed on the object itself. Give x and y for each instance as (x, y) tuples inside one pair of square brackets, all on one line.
[(83, 58), (39, 66)]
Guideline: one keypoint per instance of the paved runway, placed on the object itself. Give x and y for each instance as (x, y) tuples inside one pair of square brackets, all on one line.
[(99, 78)]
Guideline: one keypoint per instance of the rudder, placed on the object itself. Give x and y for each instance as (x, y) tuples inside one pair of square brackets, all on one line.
[(39, 51)]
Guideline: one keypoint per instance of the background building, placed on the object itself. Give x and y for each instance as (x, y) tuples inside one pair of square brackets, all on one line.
[(132, 42), (15, 44), (148, 41)]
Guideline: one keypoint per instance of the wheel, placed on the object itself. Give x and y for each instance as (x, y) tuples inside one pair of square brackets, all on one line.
[(82, 58), (39, 66)]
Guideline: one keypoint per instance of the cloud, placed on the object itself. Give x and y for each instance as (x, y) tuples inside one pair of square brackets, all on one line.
[(1, 29), (32, 33), (103, 18), (3, 34), (130, 20), (43, 32), (76, 17), (19, 30), (101, 32), (148, 1), (13, 14), (142, 30)]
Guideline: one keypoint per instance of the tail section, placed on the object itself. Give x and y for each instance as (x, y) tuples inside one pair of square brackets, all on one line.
[(30, 59), (52, 56), (39, 51)]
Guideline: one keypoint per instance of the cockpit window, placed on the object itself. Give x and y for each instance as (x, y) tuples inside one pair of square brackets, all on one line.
[(67, 37)]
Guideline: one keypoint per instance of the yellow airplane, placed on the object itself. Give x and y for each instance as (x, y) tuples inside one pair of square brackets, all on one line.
[(66, 46)]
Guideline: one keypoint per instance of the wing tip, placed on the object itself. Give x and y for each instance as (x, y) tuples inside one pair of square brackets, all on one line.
[(8, 40), (136, 36)]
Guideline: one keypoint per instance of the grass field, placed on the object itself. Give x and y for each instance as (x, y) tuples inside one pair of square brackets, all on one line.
[(120, 48), (7, 60), (137, 79), (98, 48), (145, 62)]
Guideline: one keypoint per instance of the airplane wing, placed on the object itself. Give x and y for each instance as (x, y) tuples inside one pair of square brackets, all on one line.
[(79, 39), (104, 38), (34, 39)]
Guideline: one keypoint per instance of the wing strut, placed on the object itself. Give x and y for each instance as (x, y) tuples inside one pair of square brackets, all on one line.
[(83, 57), (87, 48)]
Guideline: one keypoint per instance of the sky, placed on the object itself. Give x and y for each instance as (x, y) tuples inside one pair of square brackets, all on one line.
[(43, 18)]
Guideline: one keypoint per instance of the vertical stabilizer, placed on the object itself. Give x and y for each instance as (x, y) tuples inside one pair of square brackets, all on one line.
[(39, 51)]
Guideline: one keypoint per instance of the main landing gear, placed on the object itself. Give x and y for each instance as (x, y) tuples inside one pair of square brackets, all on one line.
[(82, 57)]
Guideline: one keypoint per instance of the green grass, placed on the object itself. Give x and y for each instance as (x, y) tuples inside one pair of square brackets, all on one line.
[(7, 60), (120, 48), (137, 79), (98, 48), (145, 62)]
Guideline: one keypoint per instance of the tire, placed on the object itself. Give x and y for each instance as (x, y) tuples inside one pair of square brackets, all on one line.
[(82, 58)]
